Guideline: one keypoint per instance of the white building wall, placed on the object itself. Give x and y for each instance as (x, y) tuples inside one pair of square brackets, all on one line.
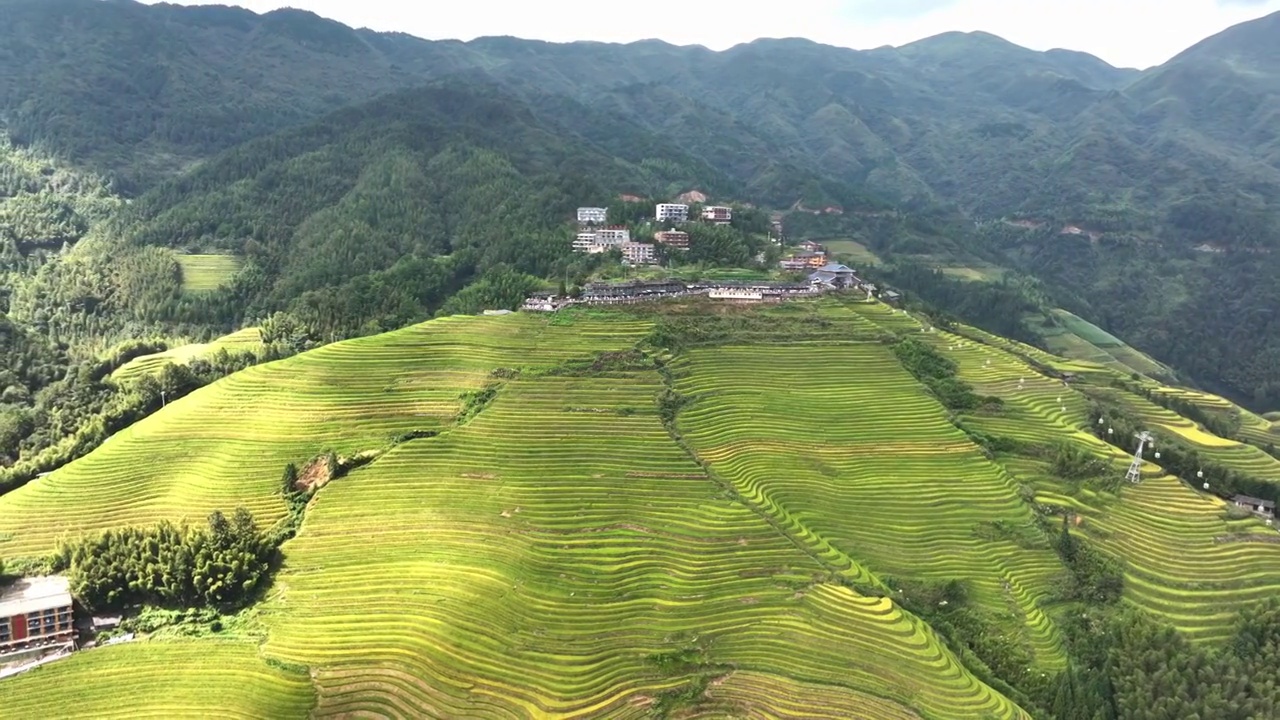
[(639, 253), (613, 236), (673, 212), (593, 215)]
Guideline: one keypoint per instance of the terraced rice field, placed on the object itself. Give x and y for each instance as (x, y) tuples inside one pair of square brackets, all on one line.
[(246, 340), (162, 680), (1185, 561), (540, 560), (202, 273), (560, 554), (1230, 453), (226, 444), (842, 445), (1257, 429)]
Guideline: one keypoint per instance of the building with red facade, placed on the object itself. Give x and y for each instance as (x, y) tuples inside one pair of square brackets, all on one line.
[(34, 612), (717, 214)]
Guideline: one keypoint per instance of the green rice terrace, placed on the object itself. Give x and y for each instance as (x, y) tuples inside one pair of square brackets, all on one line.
[(821, 509)]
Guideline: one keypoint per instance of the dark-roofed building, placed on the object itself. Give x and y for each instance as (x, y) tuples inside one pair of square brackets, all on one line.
[(835, 275), (35, 611), (1257, 506), (891, 297), (598, 291)]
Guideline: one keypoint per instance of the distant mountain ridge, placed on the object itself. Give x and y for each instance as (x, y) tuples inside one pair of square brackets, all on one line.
[(1173, 173)]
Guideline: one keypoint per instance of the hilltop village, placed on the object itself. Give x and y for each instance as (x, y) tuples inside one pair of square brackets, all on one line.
[(670, 228)]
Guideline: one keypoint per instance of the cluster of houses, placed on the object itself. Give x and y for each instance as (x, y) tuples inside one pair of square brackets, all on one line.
[(810, 255), (596, 236), (827, 278)]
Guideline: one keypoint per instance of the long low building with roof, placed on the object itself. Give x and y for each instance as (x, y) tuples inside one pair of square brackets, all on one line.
[(35, 611)]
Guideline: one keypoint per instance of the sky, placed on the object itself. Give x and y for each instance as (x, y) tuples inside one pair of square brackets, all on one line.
[(1126, 33)]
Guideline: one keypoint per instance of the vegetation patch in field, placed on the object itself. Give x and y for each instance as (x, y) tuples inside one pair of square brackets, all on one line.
[(975, 273), (852, 250), (204, 273)]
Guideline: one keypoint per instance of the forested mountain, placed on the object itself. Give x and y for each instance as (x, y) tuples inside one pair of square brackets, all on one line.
[(377, 214), (1170, 176)]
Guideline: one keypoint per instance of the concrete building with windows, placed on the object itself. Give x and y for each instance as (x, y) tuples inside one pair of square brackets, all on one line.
[(671, 212), (613, 235), (717, 214), (638, 253), (673, 238), (593, 215), (583, 241), (35, 612)]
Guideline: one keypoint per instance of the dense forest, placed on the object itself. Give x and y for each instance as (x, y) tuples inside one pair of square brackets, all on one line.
[(218, 565)]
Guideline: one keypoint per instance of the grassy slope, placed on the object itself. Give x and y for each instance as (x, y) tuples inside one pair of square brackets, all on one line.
[(162, 680), (542, 558), (860, 455), (564, 547), (227, 444), (246, 340), (539, 560), (1080, 339)]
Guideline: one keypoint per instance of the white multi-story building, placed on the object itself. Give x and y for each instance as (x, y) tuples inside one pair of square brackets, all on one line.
[(672, 212), (592, 215), (638, 253), (717, 214), (613, 235), (583, 241)]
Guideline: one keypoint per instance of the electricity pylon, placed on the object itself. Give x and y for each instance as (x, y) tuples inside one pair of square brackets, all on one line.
[(1135, 469)]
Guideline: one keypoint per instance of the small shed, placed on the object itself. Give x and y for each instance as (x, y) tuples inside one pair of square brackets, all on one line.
[(1257, 506), (106, 622)]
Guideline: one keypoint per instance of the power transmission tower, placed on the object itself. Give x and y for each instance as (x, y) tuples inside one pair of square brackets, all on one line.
[(1135, 469)]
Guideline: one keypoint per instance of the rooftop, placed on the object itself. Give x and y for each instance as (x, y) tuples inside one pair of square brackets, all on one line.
[(32, 594), (836, 268), (1258, 502)]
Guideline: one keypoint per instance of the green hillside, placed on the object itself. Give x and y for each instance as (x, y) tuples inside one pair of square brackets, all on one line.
[(1071, 336), (243, 264), (1146, 199), (670, 511)]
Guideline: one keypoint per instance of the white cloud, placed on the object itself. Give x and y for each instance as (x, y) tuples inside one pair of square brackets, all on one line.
[(1136, 33)]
